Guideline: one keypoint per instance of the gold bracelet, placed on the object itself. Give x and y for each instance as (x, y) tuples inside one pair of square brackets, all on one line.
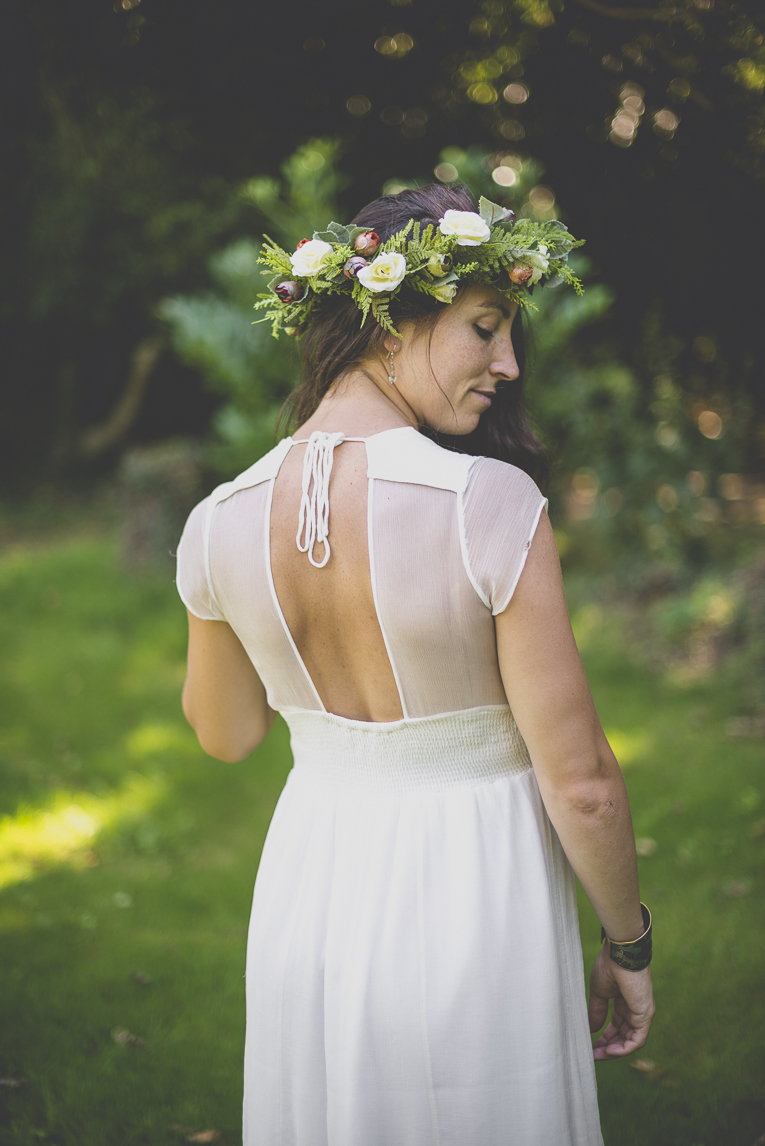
[(632, 954)]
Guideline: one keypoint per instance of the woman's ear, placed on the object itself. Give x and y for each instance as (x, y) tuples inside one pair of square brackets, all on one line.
[(390, 342)]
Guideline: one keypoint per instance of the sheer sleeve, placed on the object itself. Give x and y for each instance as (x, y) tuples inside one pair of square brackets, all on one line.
[(192, 577), (501, 510)]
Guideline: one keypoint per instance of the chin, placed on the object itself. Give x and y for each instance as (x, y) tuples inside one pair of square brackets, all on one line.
[(467, 425)]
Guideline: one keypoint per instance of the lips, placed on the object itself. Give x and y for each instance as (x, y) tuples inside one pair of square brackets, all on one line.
[(486, 394)]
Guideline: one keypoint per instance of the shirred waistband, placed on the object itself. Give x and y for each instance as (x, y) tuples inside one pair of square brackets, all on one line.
[(470, 747)]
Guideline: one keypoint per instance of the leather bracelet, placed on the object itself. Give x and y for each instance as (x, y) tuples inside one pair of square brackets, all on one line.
[(634, 954)]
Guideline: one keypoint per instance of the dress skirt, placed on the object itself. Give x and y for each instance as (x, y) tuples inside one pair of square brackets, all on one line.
[(414, 969)]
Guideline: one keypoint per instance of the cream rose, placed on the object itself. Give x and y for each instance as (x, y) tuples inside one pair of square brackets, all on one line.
[(308, 259), (384, 273), (444, 292), (467, 227)]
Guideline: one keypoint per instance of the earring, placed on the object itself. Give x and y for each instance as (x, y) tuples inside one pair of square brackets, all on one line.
[(392, 370)]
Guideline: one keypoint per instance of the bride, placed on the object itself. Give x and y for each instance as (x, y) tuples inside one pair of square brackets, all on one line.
[(386, 578)]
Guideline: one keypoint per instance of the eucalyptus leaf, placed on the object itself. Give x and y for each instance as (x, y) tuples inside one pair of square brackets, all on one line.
[(491, 213), (343, 234)]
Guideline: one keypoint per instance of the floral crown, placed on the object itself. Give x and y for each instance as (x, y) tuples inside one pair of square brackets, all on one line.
[(491, 247)]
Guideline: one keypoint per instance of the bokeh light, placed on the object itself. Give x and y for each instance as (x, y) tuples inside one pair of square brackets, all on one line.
[(731, 486), (312, 160), (359, 105), (543, 198), (511, 129), (624, 125), (516, 93), (446, 172), (665, 123), (710, 424), (704, 348), (667, 499), (483, 93), (397, 45), (680, 87), (696, 482), (504, 176)]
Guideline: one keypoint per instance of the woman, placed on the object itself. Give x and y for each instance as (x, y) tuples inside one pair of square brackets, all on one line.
[(414, 970)]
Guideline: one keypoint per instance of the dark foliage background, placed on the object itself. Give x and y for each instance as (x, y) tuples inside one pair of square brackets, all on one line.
[(130, 126)]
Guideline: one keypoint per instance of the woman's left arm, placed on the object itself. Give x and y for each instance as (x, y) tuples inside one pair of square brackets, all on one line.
[(224, 699)]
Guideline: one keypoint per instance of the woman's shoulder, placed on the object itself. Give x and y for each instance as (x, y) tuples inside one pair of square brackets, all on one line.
[(492, 475), (260, 471), (405, 455)]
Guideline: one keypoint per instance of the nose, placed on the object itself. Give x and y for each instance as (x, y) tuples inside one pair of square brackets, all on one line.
[(504, 366)]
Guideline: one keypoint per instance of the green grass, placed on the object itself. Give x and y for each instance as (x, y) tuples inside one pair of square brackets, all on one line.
[(126, 850)]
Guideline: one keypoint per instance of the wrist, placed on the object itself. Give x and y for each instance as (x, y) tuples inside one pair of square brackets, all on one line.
[(631, 954)]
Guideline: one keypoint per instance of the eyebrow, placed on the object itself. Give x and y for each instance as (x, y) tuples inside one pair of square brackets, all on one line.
[(494, 306)]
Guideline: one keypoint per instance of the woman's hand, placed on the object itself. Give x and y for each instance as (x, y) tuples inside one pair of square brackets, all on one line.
[(632, 992)]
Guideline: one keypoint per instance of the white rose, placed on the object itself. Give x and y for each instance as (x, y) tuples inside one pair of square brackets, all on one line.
[(384, 273), (308, 260), (467, 227), (444, 292)]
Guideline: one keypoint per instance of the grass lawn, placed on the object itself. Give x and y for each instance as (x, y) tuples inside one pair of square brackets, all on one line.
[(127, 859)]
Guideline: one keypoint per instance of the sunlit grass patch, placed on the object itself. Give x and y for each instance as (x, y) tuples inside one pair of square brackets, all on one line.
[(65, 830), (628, 746)]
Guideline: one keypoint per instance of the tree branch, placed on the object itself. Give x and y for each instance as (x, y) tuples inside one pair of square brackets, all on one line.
[(98, 439), (661, 14)]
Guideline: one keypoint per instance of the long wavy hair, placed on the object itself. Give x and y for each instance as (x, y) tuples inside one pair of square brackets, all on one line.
[(335, 342)]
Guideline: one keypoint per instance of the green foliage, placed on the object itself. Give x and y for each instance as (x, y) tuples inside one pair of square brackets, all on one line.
[(215, 331)]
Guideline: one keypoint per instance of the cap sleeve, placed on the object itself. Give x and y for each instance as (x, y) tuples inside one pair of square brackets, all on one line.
[(501, 511), (192, 576)]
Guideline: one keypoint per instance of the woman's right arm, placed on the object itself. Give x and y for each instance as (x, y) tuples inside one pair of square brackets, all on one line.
[(579, 779)]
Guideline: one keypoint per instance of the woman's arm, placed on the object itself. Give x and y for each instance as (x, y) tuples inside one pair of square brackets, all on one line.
[(579, 779), (224, 699)]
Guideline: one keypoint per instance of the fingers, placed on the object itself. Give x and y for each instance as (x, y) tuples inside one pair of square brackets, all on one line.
[(597, 1012), (623, 1036)]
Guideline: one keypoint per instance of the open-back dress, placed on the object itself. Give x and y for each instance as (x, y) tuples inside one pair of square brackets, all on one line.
[(414, 968)]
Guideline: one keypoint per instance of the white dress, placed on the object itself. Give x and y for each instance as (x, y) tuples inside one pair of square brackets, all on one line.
[(414, 969)]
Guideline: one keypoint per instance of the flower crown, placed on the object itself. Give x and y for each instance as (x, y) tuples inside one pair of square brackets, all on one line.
[(490, 247)]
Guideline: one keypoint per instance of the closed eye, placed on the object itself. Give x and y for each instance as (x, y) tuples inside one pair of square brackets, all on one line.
[(483, 333)]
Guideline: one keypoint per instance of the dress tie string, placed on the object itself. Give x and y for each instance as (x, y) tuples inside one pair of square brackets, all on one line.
[(313, 521)]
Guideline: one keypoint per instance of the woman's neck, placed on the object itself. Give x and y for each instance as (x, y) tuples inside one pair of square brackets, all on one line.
[(358, 407)]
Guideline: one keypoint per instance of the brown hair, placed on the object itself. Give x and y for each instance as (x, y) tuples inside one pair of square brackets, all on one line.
[(336, 343)]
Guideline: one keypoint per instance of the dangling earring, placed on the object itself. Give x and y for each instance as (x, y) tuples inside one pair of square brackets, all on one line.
[(392, 370)]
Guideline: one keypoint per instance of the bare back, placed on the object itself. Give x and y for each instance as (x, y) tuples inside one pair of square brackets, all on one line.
[(330, 612)]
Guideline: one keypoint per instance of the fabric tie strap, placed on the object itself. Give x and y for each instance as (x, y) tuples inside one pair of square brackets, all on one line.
[(313, 521)]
